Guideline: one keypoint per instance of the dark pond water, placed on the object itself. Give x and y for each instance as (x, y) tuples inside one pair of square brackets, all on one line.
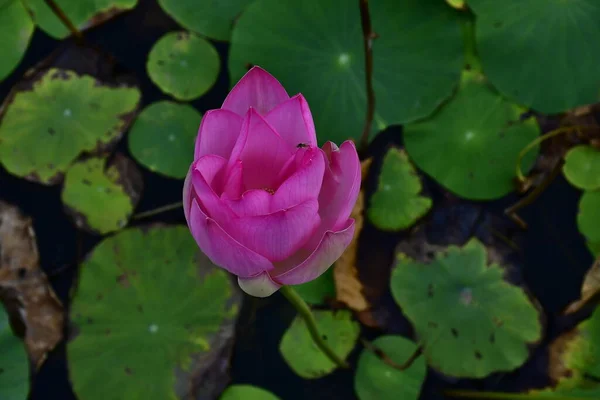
[(553, 256)]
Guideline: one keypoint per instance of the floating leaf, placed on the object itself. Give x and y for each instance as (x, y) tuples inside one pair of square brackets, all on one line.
[(83, 14), (151, 314), (247, 392), (24, 287), (594, 248), (418, 41), (302, 354), (16, 28), (397, 203), (162, 138), (471, 322), (376, 380), (14, 366), (101, 198), (541, 53), (69, 114), (212, 18), (588, 218), (319, 290), (458, 4), (471, 144), (183, 65), (582, 167)]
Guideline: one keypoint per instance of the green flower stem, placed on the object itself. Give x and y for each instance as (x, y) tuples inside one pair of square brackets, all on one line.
[(306, 313)]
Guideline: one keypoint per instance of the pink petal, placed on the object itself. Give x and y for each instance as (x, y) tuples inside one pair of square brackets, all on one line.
[(262, 152), (222, 249), (203, 174), (303, 267), (253, 202), (278, 235), (210, 167), (304, 184), (218, 133), (341, 184), (234, 186), (293, 121), (257, 89), (259, 286)]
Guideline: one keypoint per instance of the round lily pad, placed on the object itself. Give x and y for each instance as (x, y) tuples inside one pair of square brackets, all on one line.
[(183, 65), (101, 198), (588, 218), (397, 203), (16, 28), (162, 138), (83, 14), (247, 392), (542, 53), (44, 129), (302, 354), (151, 316), (376, 380), (14, 365), (582, 167), (471, 145), (212, 18), (594, 248), (470, 321), (319, 290), (418, 41)]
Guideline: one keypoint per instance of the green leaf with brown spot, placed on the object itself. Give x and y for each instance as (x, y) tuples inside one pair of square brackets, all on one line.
[(43, 130)]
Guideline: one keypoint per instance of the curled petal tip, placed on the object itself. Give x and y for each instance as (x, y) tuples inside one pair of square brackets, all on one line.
[(258, 286)]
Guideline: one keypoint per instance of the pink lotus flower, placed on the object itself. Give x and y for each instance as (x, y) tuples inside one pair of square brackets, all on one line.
[(261, 199)]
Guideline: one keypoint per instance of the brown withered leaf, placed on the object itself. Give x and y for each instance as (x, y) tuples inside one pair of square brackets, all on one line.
[(347, 284), (24, 288), (590, 291)]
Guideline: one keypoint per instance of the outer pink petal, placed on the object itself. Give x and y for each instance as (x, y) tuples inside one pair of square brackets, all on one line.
[(253, 202), (234, 185), (300, 269), (218, 133), (259, 286), (210, 202), (261, 150), (222, 249), (278, 235), (257, 89), (293, 121), (341, 184)]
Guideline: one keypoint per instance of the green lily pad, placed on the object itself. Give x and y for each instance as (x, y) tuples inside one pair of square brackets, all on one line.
[(162, 138), (582, 167), (83, 14), (183, 65), (101, 198), (319, 290), (582, 354), (471, 144), (16, 28), (151, 314), (302, 354), (14, 365), (542, 53), (458, 4), (212, 18), (247, 392), (69, 114), (470, 321), (397, 203), (594, 248), (376, 380), (418, 41), (569, 393), (588, 218)]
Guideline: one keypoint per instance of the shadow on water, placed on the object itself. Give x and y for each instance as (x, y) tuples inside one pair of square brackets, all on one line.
[(553, 253)]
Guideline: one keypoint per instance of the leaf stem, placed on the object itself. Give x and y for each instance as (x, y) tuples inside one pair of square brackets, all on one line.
[(305, 312), (158, 210), (368, 36), (65, 20)]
